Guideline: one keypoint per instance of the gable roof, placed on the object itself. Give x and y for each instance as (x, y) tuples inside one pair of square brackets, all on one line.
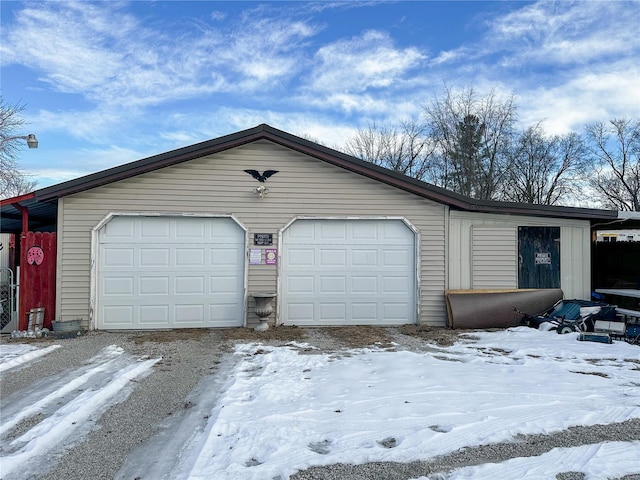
[(48, 196)]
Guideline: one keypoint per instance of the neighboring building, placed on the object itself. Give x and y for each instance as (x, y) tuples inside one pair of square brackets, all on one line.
[(618, 236), (182, 239)]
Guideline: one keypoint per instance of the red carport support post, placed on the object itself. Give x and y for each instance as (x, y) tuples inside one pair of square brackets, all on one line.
[(25, 217)]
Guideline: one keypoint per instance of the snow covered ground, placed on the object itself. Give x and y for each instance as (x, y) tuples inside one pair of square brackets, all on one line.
[(66, 406), (281, 409)]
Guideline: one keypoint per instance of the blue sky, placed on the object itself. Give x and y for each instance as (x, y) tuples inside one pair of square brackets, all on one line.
[(106, 83)]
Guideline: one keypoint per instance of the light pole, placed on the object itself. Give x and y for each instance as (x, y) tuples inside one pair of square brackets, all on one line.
[(31, 139)]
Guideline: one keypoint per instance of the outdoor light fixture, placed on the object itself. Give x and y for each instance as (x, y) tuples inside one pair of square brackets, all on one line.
[(32, 141), (261, 191)]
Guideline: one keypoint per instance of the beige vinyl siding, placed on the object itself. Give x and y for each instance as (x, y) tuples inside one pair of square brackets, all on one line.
[(494, 257), (218, 185), (575, 257)]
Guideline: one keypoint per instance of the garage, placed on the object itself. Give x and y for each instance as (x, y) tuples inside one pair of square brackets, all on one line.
[(170, 272), (348, 272)]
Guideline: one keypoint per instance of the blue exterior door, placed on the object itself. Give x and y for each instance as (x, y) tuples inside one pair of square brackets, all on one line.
[(539, 257)]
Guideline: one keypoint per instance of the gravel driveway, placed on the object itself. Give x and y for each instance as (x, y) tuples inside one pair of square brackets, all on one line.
[(189, 355)]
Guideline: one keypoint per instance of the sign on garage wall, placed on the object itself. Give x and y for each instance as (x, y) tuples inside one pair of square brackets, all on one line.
[(263, 239), (271, 256), (255, 256)]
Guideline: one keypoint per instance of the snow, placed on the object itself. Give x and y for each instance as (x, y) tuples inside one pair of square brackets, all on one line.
[(275, 410), (14, 356), (595, 461), (69, 402)]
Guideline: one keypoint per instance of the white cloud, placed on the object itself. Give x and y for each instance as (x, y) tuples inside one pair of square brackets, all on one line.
[(218, 15), (589, 96), (567, 32), (368, 61), (110, 57)]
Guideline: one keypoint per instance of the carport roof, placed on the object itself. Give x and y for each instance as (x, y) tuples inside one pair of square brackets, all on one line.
[(42, 204)]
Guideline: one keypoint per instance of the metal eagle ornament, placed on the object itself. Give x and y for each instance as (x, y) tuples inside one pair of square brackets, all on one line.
[(261, 190), (261, 177)]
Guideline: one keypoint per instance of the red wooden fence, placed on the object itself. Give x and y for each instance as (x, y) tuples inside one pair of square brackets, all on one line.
[(37, 276)]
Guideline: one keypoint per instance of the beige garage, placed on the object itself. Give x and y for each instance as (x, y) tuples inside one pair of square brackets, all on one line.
[(186, 237)]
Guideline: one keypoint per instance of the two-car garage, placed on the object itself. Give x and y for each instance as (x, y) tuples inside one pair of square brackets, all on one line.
[(185, 272)]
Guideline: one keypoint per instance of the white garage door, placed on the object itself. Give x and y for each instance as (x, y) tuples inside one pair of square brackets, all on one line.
[(170, 272), (348, 272)]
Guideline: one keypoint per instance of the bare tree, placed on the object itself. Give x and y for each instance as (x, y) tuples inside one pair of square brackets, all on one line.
[(13, 181), (615, 150), (405, 149), (473, 136), (544, 170)]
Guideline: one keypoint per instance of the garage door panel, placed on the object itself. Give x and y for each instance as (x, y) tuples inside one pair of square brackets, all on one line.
[(395, 232), (191, 231), (364, 257), (155, 228), (118, 315), (348, 270), (300, 257), (157, 315), (333, 285), (189, 313), (119, 231), (365, 231), (186, 257), (396, 311), (193, 285), (394, 284), (118, 257), (397, 258), (154, 257), (333, 257), (118, 286), (364, 284), (303, 233), (333, 310), (154, 285), (329, 232), (226, 257), (300, 284), (224, 284), (222, 232), (175, 276), (224, 315), (302, 312), (364, 311)]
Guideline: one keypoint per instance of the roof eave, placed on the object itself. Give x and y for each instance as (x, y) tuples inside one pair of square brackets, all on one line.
[(321, 152)]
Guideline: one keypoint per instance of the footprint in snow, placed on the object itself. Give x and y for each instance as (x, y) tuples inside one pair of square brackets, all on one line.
[(321, 448), (440, 428), (389, 442)]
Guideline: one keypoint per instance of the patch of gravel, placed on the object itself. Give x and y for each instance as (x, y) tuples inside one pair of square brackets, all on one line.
[(189, 355), (523, 446)]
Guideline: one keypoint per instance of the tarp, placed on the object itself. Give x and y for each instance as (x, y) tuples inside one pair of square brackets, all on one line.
[(497, 308)]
